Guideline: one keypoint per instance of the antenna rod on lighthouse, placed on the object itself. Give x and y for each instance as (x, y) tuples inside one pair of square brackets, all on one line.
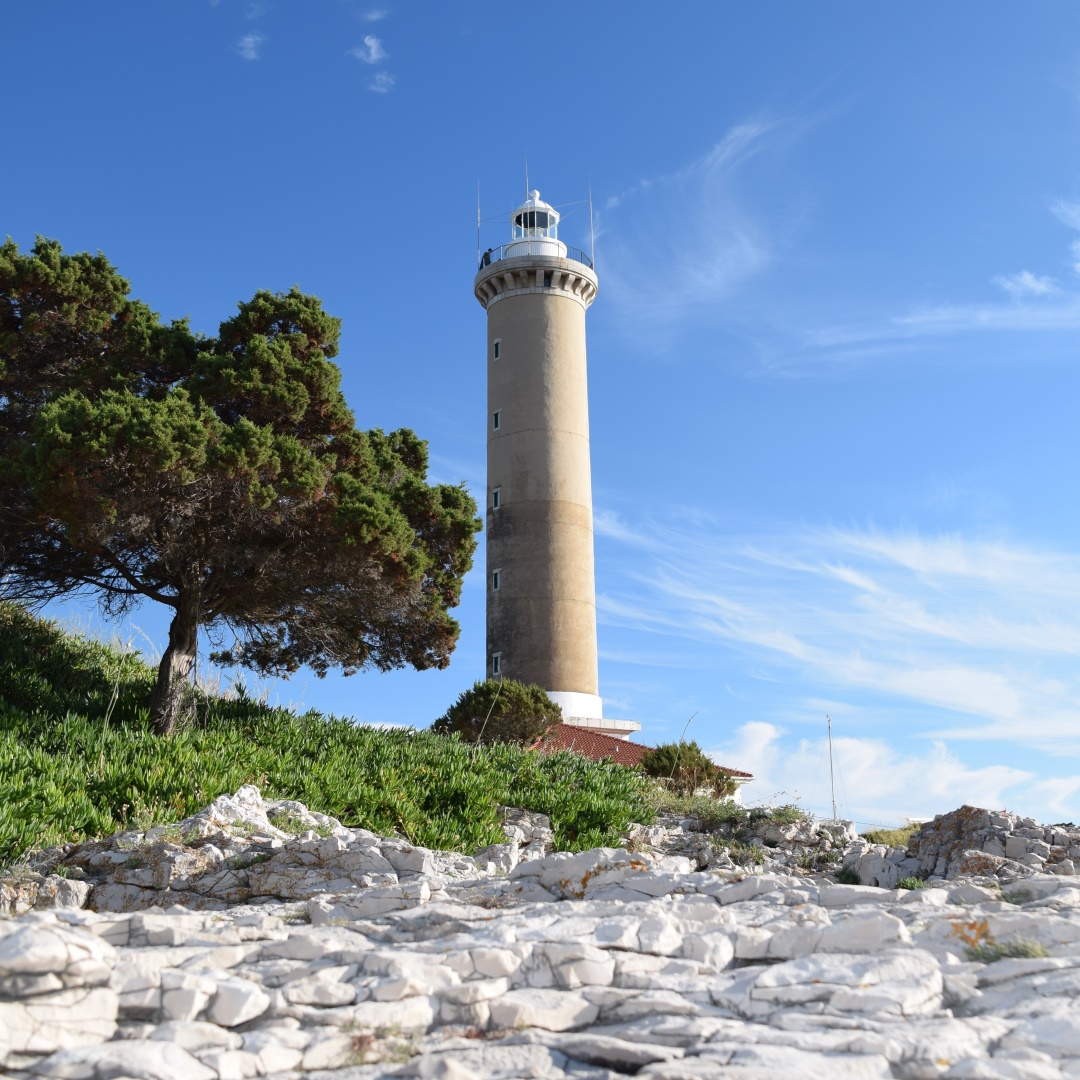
[(592, 237), (478, 221), (832, 784)]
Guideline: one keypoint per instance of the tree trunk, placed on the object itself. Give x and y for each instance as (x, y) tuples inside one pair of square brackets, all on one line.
[(167, 700)]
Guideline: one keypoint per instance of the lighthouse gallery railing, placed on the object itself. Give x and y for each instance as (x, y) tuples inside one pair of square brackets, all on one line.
[(531, 247)]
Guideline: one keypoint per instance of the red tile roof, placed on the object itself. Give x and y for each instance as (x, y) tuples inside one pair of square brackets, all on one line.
[(592, 744)]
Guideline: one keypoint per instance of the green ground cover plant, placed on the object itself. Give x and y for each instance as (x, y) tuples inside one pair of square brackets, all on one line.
[(991, 951), (890, 837), (79, 758)]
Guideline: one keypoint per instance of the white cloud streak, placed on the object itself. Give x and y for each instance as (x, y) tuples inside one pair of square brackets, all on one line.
[(249, 45), (676, 244), (383, 83), (1026, 283), (1036, 303), (371, 52), (981, 637)]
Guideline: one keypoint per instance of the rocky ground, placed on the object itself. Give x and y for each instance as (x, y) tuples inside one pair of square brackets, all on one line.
[(260, 939)]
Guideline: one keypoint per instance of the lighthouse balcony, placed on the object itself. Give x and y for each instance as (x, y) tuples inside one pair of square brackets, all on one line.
[(534, 246)]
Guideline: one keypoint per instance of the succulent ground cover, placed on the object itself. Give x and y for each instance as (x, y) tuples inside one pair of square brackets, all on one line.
[(78, 759)]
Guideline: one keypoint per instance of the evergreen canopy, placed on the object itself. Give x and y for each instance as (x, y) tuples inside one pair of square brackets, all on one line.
[(221, 476), (500, 710)]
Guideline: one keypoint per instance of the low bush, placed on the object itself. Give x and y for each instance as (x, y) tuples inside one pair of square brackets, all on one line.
[(685, 768), (846, 875), (500, 711), (911, 883), (78, 759), (992, 951), (890, 837)]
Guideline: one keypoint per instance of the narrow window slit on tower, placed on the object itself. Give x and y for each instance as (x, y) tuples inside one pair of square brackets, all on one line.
[(496, 664), (496, 580), (496, 349), (496, 498), (495, 419), (547, 279)]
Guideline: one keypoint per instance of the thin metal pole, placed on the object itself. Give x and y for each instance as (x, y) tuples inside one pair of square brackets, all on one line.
[(477, 222), (592, 257), (682, 739), (832, 784)]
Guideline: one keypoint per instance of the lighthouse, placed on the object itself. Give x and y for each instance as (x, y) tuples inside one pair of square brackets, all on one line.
[(541, 591)]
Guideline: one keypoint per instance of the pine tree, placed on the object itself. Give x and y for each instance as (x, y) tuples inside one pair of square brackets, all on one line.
[(223, 477)]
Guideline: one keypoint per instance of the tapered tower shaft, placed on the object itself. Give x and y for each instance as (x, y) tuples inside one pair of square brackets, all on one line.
[(541, 610)]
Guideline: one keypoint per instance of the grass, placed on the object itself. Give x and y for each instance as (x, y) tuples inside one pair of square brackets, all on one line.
[(715, 814), (890, 837), (78, 759), (1018, 896), (911, 883), (992, 951)]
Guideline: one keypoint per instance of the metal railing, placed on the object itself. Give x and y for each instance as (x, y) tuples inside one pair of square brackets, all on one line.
[(532, 247)]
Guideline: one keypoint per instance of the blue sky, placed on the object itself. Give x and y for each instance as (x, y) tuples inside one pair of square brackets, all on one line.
[(833, 377)]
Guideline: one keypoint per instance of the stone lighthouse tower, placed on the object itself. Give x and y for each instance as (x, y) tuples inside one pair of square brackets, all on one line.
[(541, 593)]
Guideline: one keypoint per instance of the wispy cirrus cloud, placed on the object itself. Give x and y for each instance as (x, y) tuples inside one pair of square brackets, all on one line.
[(250, 44), (1025, 284), (679, 243), (382, 83), (934, 650), (1036, 303), (981, 635), (371, 52)]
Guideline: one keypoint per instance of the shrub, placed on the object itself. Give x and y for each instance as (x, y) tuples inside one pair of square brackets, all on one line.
[(711, 813), (911, 883), (890, 837), (991, 951), (846, 875), (500, 711), (685, 768)]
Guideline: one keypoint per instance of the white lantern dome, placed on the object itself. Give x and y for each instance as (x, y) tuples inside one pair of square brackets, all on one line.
[(535, 229)]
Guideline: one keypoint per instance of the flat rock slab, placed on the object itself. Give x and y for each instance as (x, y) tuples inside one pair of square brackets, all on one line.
[(405, 962)]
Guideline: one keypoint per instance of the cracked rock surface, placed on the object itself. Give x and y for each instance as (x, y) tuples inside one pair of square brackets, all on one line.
[(348, 956)]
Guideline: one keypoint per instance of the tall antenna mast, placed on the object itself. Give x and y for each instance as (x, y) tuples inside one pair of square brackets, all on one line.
[(832, 783), (592, 254), (478, 222), (526, 175)]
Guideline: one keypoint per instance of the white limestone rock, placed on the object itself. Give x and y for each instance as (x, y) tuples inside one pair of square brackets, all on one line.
[(136, 1059)]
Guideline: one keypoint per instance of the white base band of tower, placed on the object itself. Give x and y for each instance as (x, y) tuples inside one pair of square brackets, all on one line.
[(578, 706)]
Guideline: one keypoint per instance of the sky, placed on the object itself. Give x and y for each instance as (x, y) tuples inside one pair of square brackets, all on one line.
[(832, 364)]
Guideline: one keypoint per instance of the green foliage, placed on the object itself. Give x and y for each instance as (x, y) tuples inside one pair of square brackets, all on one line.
[(846, 875), (500, 711), (816, 861), (890, 837), (1018, 896), (992, 951), (911, 883), (67, 773), (712, 813), (685, 768), (221, 476)]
